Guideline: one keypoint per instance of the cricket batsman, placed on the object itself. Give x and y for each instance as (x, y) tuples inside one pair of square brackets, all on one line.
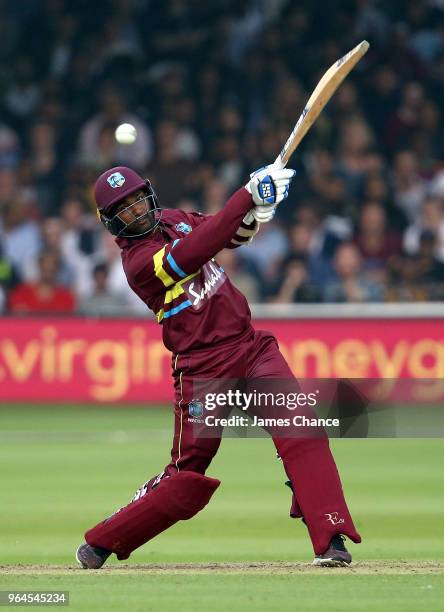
[(168, 258)]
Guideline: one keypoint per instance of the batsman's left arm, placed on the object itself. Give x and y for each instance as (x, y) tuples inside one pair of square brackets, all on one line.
[(245, 233)]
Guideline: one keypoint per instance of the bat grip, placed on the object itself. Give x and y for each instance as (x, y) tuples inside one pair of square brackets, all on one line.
[(278, 163)]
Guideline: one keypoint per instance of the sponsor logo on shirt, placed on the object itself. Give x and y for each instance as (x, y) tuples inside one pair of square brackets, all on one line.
[(206, 284)]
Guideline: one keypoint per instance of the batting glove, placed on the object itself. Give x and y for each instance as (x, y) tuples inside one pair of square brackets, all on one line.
[(268, 187)]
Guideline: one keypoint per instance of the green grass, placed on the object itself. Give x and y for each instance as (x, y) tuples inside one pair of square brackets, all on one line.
[(65, 468), (243, 592)]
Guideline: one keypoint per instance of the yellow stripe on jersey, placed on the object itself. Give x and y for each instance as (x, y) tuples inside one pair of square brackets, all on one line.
[(159, 271), (172, 294), (177, 290)]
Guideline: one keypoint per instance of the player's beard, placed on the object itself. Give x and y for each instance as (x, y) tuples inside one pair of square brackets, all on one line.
[(142, 225)]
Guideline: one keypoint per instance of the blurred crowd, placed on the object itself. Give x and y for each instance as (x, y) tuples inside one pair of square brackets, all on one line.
[(213, 89)]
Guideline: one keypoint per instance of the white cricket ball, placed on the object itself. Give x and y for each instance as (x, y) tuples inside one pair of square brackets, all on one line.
[(125, 133)]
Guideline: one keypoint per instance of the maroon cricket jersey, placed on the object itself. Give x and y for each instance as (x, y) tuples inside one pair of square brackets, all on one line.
[(174, 272)]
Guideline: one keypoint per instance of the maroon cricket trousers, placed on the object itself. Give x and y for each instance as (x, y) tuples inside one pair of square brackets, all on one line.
[(318, 497)]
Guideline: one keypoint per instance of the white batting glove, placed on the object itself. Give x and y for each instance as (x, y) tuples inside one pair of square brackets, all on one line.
[(264, 214), (268, 187), (260, 214)]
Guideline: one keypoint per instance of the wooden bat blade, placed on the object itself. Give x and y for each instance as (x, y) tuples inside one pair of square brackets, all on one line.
[(322, 93)]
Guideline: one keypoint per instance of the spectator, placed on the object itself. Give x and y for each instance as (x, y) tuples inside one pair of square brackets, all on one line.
[(380, 247), (403, 122), (102, 301), (376, 189), (9, 147), (355, 141), (427, 139), (8, 280), (219, 110), (428, 42), (45, 296), (346, 103), (327, 185), (431, 270), (229, 161), (109, 254), (215, 194), (350, 285), (371, 22), (20, 236), (168, 163), (432, 220), (409, 187), (325, 231), (23, 93), (9, 186), (294, 283), (113, 111), (239, 276), (183, 114), (52, 231), (380, 104), (63, 45), (79, 242), (408, 285), (421, 274), (266, 252), (304, 245), (44, 165)]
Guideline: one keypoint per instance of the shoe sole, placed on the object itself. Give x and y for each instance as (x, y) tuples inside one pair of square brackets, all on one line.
[(79, 561), (330, 563)]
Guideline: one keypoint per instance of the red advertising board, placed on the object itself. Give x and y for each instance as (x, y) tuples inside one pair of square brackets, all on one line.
[(84, 360)]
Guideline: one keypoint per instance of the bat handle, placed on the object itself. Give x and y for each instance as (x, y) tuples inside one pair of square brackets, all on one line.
[(278, 163)]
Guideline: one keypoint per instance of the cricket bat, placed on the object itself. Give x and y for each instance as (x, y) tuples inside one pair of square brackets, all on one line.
[(319, 98)]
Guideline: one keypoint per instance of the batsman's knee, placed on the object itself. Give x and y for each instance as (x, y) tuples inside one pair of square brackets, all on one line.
[(175, 498), (189, 493), (187, 490)]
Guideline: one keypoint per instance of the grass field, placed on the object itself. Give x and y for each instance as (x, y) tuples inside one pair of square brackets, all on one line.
[(64, 468)]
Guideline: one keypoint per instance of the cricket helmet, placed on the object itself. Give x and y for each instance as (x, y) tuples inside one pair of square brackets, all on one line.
[(115, 185)]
